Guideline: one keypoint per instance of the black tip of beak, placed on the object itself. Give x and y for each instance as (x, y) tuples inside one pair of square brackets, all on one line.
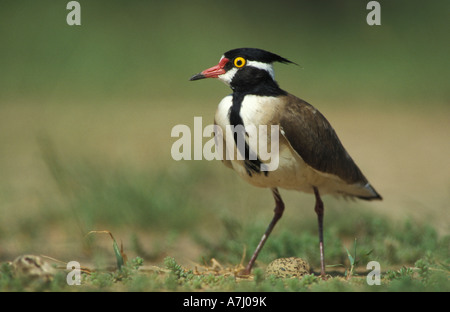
[(197, 77)]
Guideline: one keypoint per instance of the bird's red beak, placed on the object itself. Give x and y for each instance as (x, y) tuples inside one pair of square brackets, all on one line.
[(212, 72)]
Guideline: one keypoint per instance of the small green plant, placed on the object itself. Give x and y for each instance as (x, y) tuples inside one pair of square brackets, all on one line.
[(309, 279), (352, 259), (177, 269), (6, 277), (126, 274), (423, 269), (121, 257), (403, 272)]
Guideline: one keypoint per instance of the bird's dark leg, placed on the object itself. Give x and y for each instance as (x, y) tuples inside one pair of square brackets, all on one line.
[(319, 211), (278, 212)]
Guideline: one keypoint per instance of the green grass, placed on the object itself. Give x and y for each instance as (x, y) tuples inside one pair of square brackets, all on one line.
[(393, 243), (426, 275), (120, 197), (413, 257)]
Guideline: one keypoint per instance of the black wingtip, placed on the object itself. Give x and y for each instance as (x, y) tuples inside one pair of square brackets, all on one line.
[(374, 196)]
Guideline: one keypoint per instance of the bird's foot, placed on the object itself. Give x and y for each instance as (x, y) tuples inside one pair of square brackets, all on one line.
[(324, 277), (244, 273)]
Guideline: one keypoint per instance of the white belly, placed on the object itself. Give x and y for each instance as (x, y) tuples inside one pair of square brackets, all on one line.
[(291, 172)]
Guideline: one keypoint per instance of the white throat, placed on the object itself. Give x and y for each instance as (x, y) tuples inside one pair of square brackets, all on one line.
[(228, 76)]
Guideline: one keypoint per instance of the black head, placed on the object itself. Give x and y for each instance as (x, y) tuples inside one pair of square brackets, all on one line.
[(245, 70), (257, 55)]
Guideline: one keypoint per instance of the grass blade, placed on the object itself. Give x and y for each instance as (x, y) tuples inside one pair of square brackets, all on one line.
[(118, 252)]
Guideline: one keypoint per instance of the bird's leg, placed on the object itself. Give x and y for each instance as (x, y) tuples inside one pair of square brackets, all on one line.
[(278, 212), (319, 211)]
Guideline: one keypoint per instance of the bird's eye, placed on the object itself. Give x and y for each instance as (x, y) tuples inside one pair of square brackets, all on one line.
[(239, 62)]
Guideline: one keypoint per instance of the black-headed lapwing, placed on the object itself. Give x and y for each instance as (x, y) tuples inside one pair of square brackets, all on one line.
[(312, 159)]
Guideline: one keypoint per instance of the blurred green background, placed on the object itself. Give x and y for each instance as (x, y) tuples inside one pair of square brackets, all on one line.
[(86, 113)]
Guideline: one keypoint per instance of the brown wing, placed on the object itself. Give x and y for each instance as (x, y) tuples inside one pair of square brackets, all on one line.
[(313, 138)]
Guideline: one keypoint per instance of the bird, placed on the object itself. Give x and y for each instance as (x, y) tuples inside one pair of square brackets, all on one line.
[(312, 159)]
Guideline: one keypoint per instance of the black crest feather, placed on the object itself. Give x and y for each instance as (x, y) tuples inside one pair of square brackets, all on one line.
[(259, 55)]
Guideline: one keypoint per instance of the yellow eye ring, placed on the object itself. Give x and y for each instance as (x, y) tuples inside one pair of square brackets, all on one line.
[(239, 62)]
